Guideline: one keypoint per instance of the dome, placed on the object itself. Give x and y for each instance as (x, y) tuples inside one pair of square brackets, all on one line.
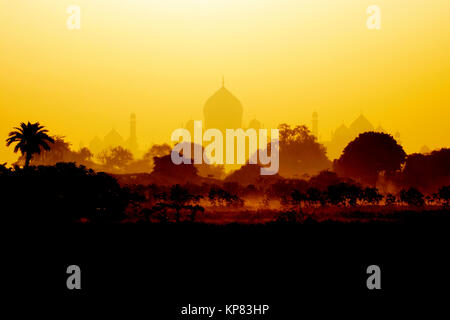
[(425, 150), (255, 124), (379, 129), (342, 131), (96, 145), (113, 139), (223, 110), (360, 125)]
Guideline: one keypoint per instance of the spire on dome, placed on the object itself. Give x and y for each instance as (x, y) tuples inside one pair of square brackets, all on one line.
[(223, 110)]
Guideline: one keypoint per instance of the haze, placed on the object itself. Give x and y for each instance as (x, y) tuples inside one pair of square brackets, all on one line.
[(283, 59)]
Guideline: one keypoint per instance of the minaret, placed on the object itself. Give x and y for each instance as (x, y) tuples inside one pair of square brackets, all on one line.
[(315, 125)]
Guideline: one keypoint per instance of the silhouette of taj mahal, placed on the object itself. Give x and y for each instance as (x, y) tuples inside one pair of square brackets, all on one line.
[(223, 110)]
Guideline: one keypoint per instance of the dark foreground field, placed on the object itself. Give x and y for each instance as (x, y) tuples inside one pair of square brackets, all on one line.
[(143, 250), (295, 268)]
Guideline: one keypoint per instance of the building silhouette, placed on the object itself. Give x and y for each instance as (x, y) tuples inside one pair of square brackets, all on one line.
[(113, 139), (96, 145), (255, 124), (425, 149), (131, 142), (343, 135), (223, 110)]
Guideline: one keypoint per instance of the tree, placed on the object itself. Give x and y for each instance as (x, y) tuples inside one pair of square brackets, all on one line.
[(368, 155), (203, 169), (63, 193), (60, 151), (219, 196), (371, 195), (251, 174), (300, 153), (412, 197), (315, 196), (324, 179), (390, 199), (298, 198), (343, 194), (116, 158), (31, 138), (180, 198), (427, 172), (165, 172), (336, 194), (85, 155), (444, 195), (157, 150), (213, 171), (353, 194)]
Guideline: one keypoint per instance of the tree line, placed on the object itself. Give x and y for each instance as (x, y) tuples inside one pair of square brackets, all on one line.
[(67, 191)]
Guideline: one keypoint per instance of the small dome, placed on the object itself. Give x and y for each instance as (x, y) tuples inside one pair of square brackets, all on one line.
[(360, 125), (425, 149), (223, 110), (113, 139), (341, 131), (96, 140), (255, 124), (96, 145)]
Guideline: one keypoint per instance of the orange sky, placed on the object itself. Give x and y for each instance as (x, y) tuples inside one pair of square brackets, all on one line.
[(283, 59)]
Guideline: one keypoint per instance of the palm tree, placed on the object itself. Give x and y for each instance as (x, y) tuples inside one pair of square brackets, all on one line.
[(30, 138)]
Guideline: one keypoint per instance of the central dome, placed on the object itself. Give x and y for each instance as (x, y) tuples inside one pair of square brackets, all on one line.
[(360, 125), (223, 111)]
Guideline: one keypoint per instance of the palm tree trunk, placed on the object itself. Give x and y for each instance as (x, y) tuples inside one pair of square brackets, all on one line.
[(27, 160)]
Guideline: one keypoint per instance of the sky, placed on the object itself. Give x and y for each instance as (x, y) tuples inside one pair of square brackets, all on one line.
[(283, 59)]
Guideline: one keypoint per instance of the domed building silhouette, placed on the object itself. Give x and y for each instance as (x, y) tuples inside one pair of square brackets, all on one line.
[(360, 125), (113, 139), (425, 149), (343, 135), (223, 111), (380, 129), (255, 124), (96, 145)]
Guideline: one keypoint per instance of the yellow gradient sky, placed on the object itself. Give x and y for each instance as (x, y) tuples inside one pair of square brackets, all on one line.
[(282, 58)]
